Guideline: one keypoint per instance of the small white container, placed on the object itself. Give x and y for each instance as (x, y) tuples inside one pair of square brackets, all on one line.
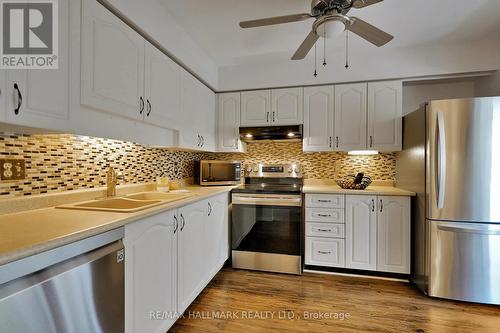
[(162, 184)]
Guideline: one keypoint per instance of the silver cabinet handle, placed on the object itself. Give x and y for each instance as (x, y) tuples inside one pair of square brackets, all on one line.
[(330, 142), (19, 99), (324, 201), (267, 117), (323, 252), (202, 141), (324, 215), (381, 205), (274, 119), (183, 222), (337, 141), (199, 141), (176, 224), (373, 205), (441, 162), (325, 230), (371, 141), (209, 209), (141, 105), (149, 108)]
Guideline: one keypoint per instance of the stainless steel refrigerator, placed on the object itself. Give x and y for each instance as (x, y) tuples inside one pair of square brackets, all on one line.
[(451, 159)]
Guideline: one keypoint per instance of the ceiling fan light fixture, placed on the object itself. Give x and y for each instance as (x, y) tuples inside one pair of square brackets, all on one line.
[(331, 29)]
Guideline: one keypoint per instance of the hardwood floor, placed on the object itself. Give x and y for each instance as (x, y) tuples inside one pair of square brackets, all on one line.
[(245, 301)]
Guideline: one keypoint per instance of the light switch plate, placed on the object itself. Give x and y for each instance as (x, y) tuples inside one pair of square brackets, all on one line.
[(12, 169)]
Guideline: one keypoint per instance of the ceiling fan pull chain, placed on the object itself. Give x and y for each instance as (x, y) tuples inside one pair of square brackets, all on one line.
[(347, 49), (324, 48), (315, 58)]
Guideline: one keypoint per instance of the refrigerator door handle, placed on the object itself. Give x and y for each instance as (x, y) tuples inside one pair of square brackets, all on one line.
[(441, 160), (471, 230)]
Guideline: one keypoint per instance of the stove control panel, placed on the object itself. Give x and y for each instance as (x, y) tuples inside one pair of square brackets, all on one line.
[(292, 170)]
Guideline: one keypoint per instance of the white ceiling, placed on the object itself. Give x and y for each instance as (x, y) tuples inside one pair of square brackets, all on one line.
[(213, 24)]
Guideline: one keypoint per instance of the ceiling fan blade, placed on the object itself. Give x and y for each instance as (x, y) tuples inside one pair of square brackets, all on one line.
[(306, 46), (364, 3), (275, 20), (369, 32)]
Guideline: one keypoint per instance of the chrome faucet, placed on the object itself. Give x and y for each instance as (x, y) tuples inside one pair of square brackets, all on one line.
[(112, 178)]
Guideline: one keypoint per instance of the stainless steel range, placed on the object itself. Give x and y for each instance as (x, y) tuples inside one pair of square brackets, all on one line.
[(266, 219)]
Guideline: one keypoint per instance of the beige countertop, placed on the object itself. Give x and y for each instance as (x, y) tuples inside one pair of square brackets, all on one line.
[(26, 233), (330, 187)]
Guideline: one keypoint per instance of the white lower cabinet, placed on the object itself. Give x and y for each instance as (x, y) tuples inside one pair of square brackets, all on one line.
[(393, 236), (170, 257), (361, 232), (371, 233), (150, 273), (324, 252)]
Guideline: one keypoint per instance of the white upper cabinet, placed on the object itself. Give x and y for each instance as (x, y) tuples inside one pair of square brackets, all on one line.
[(256, 108), (162, 89), (393, 253), (207, 118), (361, 232), (319, 114), (40, 98), (385, 112), (229, 106), (150, 272), (350, 116), (287, 106), (112, 63)]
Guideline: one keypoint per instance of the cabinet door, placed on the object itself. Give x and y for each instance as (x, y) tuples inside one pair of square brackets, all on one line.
[(256, 108), (385, 115), (189, 131), (162, 89), (112, 63), (45, 93), (229, 106), (287, 106), (207, 118), (192, 257), (361, 232), (327, 252), (218, 228), (350, 117), (319, 112), (393, 254), (150, 272)]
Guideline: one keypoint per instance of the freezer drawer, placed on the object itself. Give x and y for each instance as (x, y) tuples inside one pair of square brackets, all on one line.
[(465, 261)]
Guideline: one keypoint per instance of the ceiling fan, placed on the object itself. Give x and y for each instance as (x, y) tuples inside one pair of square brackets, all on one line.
[(331, 18)]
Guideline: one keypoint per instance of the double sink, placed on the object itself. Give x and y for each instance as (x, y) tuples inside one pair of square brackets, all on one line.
[(130, 203)]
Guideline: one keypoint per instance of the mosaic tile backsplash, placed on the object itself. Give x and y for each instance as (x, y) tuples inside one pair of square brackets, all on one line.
[(62, 162), (325, 165)]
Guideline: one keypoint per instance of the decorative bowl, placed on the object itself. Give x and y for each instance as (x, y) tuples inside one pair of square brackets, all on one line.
[(348, 182)]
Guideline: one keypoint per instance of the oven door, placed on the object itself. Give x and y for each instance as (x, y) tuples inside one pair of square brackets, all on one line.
[(266, 231)]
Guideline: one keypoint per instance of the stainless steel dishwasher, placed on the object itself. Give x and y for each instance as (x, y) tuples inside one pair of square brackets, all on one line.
[(84, 294)]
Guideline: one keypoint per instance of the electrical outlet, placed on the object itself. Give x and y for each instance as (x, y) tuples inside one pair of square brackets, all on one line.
[(12, 169)]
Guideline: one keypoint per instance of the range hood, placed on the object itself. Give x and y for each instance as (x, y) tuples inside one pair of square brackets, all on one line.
[(271, 133)]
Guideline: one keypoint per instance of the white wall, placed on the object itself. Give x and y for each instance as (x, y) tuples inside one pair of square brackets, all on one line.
[(488, 86), (154, 19), (415, 94), (367, 64)]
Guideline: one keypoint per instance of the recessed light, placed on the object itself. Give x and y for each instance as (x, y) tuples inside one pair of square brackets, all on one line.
[(291, 134), (363, 152), (248, 135)]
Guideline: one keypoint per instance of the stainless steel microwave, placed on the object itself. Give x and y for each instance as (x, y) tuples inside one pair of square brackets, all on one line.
[(208, 172)]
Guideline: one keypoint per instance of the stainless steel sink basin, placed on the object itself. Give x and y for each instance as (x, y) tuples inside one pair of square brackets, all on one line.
[(159, 196), (124, 205)]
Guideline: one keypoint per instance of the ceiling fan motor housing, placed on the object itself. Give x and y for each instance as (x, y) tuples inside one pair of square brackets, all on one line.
[(325, 7)]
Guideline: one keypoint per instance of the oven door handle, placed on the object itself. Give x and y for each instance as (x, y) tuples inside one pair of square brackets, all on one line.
[(267, 201)]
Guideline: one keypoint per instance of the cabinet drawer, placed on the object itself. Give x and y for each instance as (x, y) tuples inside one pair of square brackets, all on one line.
[(331, 230), (324, 252), (325, 200), (324, 215)]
